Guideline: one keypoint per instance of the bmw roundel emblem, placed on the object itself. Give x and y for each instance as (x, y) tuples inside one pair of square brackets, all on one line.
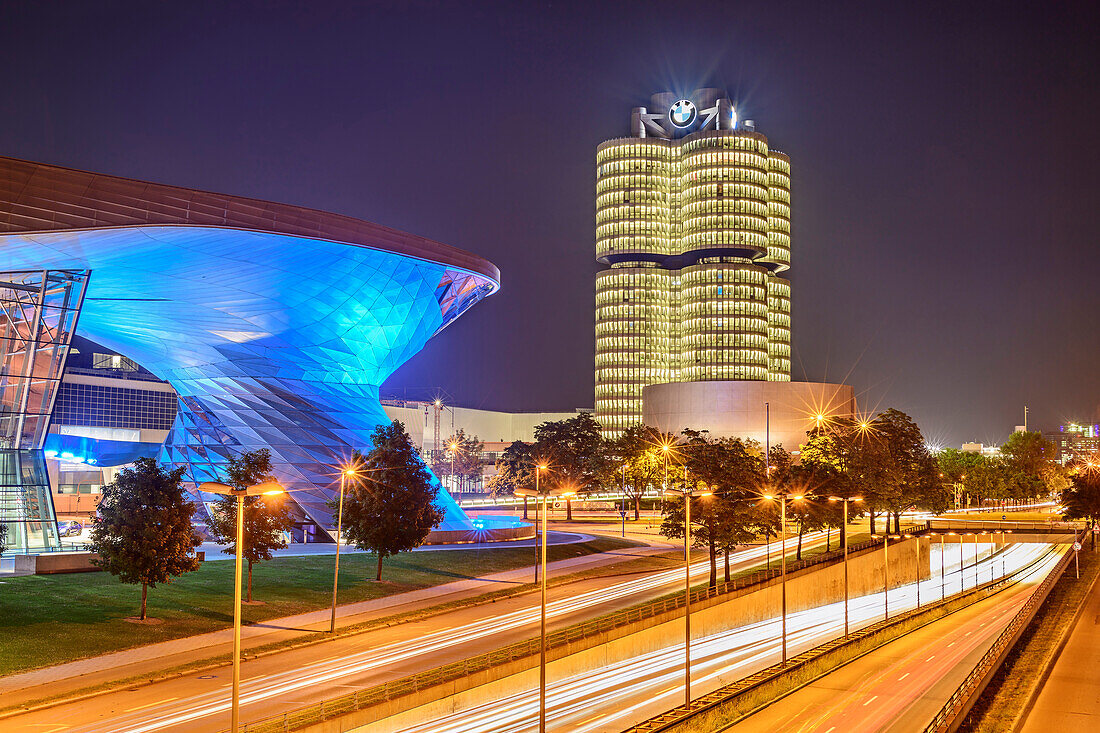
[(682, 113)]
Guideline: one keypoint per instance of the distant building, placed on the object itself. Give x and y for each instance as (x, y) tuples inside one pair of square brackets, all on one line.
[(990, 451), (1074, 441)]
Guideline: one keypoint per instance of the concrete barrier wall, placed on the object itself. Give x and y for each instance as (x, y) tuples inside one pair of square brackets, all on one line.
[(812, 587)]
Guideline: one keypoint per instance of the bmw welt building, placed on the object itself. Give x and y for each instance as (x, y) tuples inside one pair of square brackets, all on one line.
[(274, 325)]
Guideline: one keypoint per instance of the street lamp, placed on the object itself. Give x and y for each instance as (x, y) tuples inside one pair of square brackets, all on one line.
[(687, 494), (452, 448), (622, 504), (543, 496), (783, 558), (539, 468), (845, 500), (344, 474), (270, 488)]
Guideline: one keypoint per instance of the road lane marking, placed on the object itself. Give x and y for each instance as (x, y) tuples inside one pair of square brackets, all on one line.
[(870, 701), (158, 702), (930, 658), (903, 677)]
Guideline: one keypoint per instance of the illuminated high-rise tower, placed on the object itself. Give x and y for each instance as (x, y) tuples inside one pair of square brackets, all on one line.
[(693, 225)]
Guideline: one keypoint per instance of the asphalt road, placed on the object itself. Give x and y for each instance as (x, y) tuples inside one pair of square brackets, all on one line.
[(899, 687), (623, 694), (1070, 697), (289, 680)]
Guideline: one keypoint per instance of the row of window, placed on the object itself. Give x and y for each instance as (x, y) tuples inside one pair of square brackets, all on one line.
[(727, 141), (90, 405)]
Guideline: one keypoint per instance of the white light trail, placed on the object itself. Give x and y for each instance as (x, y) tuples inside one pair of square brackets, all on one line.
[(328, 672), (614, 697)]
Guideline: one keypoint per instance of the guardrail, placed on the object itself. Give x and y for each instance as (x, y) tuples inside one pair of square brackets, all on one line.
[(394, 689), (962, 698), (1052, 525), (669, 720)]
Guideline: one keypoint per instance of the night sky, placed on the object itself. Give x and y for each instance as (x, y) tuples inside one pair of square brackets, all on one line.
[(945, 159)]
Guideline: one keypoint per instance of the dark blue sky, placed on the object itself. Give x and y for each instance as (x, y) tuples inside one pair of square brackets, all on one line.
[(944, 156)]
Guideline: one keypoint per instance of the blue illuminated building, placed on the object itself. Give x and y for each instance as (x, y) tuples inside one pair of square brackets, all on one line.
[(274, 324)]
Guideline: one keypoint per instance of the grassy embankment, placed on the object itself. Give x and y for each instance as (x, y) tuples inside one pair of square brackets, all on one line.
[(51, 619)]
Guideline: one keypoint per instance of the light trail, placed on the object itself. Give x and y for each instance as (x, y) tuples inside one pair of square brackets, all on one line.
[(329, 672), (614, 697)]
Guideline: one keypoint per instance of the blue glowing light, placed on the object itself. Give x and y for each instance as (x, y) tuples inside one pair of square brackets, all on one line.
[(270, 340)]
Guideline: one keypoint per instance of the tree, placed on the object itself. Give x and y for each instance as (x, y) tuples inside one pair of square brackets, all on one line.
[(266, 518), (463, 458), (515, 470), (638, 450), (1082, 498), (142, 532), (731, 471), (575, 453), (390, 506), (1031, 461)]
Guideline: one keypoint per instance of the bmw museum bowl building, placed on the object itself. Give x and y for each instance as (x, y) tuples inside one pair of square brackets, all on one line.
[(275, 325)]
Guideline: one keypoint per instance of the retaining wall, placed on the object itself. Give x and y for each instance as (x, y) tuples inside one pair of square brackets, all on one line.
[(809, 588)]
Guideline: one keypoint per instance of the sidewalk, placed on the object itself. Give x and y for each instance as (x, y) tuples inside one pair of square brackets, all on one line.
[(1069, 699), (153, 659)]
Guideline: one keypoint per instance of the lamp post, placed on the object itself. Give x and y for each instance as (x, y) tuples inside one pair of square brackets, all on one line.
[(845, 500), (943, 588), (622, 510), (543, 496), (270, 488), (452, 448), (687, 494), (539, 468), (886, 571), (344, 474), (783, 560)]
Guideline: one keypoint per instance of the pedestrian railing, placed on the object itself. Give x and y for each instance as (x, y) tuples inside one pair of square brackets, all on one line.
[(958, 703), (673, 718)]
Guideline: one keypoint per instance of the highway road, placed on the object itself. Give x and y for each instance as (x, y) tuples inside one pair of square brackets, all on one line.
[(289, 680), (899, 687), (623, 694)]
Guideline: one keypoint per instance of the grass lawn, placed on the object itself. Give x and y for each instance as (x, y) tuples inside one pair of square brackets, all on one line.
[(50, 619)]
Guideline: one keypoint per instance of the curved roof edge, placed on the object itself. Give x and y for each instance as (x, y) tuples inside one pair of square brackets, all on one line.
[(40, 197)]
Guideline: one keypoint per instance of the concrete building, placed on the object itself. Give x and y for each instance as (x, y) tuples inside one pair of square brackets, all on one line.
[(693, 308), (1075, 442), (693, 228), (737, 409)]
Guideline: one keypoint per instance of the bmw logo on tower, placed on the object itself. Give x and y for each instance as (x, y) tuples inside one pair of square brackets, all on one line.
[(682, 113)]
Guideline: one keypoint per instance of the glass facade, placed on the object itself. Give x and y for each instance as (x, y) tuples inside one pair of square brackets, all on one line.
[(38, 310), (101, 406), (694, 231)]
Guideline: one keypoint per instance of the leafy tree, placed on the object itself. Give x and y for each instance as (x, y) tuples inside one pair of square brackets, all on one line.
[(266, 518), (466, 452), (1031, 462), (1082, 498), (142, 532), (390, 507), (575, 453), (731, 471), (515, 470), (638, 451)]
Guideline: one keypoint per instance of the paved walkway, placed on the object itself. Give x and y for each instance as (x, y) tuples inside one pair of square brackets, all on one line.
[(154, 658), (1070, 698)]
